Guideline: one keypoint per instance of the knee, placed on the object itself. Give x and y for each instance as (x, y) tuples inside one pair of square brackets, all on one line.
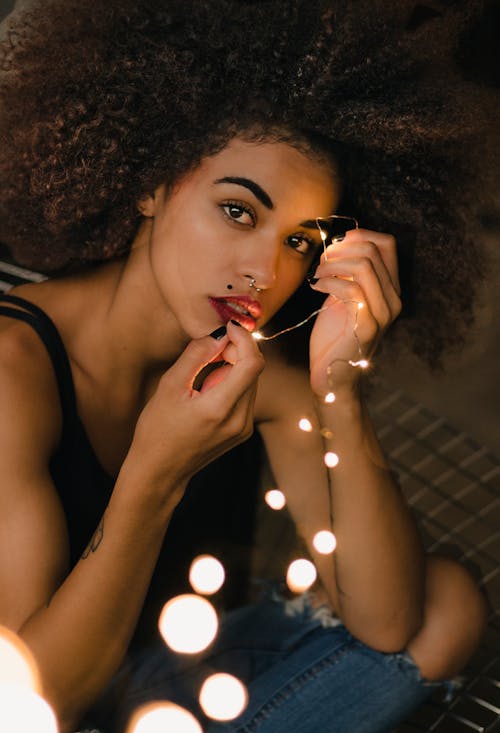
[(455, 616)]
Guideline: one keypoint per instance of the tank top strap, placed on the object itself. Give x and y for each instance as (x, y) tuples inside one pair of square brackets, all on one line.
[(41, 323)]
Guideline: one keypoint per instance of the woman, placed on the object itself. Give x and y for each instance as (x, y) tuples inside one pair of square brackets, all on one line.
[(172, 162)]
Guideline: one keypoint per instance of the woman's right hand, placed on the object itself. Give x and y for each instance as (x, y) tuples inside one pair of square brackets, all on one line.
[(181, 430)]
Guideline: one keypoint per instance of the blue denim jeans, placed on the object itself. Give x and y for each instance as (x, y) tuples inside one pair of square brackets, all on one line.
[(304, 671)]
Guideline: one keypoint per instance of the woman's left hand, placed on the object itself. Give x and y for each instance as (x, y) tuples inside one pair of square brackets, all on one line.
[(362, 269)]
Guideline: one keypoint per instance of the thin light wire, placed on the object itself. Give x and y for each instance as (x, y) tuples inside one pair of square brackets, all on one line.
[(325, 235), (292, 328)]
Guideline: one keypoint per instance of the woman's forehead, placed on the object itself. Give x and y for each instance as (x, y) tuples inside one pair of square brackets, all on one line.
[(277, 168)]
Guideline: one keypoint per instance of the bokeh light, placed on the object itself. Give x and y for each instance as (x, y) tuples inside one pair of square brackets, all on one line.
[(324, 542), (206, 574), (188, 623), (160, 717), (275, 499), (300, 575), (223, 697), (329, 398), (24, 711), (305, 425), (331, 459), (17, 664)]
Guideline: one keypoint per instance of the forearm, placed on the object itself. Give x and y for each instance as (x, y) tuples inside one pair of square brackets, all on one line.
[(80, 638), (379, 556)]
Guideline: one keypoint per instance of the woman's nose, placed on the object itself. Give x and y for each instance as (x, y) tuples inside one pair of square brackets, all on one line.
[(261, 266)]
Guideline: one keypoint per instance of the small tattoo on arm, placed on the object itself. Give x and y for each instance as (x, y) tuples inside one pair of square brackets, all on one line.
[(95, 541)]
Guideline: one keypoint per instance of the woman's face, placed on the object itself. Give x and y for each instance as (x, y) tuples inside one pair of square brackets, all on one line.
[(246, 213)]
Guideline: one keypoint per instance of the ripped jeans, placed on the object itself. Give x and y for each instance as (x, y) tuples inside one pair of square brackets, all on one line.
[(304, 671)]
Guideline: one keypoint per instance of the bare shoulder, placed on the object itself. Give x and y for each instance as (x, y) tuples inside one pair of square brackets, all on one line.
[(33, 535), (28, 391), (283, 388)]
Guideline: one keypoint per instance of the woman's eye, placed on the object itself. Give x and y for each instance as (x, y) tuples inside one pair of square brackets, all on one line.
[(301, 244), (239, 214)]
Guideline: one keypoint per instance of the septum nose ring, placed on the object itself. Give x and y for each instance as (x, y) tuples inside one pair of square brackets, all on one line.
[(252, 283)]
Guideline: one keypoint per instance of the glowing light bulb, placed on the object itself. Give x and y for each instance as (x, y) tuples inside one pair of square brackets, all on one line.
[(362, 363), (305, 425), (23, 710), (360, 306), (257, 335), (300, 575), (223, 697), (329, 398), (17, 664), (206, 574), (331, 459), (323, 234), (188, 623), (275, 499), (325, 542), (158, 717)]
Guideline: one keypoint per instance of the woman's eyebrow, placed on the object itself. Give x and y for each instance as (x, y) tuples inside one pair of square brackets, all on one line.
[(310, 224), (252, 186)]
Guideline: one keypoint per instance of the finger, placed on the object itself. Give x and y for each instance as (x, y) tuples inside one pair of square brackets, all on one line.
[(384, 244), (370, 317), (374, 281), (247, 365), (361, 250), (197, 354)]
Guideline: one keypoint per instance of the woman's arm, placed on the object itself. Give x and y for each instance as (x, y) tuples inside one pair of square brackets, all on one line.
[(374, 578), (377, 581), (78, 625)]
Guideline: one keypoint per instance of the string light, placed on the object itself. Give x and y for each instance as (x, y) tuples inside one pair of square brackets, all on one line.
[(324, 542), (159, 717), (362, 363), (300, 575), (206, 575), (223, 697), (258, 336), (325, 224), (331, 459), (275, 499), (188, 623)]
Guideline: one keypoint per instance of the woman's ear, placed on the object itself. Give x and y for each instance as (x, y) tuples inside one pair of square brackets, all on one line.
[(146, 205)]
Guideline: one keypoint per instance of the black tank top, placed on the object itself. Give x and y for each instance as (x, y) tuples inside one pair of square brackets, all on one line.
[(216, 515)]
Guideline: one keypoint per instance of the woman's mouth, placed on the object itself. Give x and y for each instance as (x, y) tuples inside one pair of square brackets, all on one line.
[(243, 309)]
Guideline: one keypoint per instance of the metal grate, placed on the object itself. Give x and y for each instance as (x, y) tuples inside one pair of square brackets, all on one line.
[(452, 484), (11, 275)]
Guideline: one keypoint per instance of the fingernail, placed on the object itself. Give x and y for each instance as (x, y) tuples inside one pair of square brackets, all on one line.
[(235, 323), (313, 280), (338, 239), (218, 333)]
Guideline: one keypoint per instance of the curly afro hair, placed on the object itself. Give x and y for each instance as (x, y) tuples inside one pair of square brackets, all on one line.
[(103, 100)]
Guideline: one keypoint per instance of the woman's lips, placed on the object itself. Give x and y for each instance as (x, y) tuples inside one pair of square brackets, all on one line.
[(243, 309)]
